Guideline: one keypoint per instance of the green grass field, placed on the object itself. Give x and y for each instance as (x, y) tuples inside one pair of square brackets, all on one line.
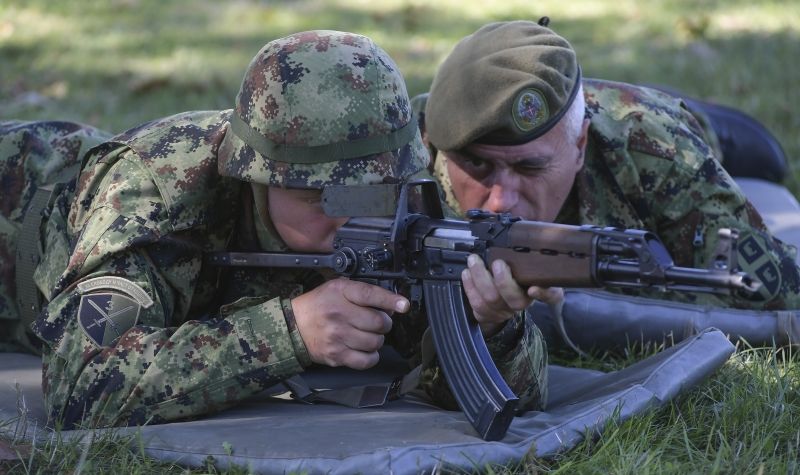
[(117, 63)]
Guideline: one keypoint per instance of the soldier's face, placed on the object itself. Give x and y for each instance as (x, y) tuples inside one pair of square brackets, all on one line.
[(531, 180), (299, 219)]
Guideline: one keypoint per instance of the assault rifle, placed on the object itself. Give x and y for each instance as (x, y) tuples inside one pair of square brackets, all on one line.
[(421, 254)]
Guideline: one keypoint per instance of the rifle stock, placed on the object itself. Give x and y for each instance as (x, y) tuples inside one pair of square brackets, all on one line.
[(419, 250)]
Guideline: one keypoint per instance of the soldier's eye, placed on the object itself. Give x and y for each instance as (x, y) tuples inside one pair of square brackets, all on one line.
[(528, 169), (475, 166), (476, 162), (313, 199), (309, 197)]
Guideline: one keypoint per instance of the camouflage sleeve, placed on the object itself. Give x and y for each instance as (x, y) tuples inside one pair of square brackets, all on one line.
[(693, 200), (520, 354), (111, 359), (32, 154)]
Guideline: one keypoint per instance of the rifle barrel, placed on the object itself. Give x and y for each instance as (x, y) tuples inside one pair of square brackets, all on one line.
[(628, 271)]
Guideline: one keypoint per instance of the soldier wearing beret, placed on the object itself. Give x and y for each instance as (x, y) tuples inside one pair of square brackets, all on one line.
[(137, 327), (515, 127)]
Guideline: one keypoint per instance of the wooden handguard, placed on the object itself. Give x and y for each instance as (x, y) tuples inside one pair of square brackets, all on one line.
[(548, 255)]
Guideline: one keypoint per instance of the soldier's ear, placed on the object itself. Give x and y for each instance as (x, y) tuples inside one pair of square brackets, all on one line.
[(431, 149)]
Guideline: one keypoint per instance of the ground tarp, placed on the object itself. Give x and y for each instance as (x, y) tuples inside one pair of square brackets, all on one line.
[(778, 207), (271, 435)]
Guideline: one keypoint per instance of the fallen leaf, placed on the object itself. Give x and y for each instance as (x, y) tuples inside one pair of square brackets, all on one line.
[(9, 451)]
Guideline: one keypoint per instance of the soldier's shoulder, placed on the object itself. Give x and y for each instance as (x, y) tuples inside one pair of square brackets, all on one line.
[(643, 120), (168, 136), (46, 140), (622, 94), (180, 154)]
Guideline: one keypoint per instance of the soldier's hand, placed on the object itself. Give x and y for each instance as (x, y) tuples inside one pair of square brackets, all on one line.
[(343, 322), (548, 295), (494, 295)]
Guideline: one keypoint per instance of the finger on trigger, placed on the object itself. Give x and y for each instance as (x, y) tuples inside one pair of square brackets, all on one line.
[(402, 305), (368, 295)]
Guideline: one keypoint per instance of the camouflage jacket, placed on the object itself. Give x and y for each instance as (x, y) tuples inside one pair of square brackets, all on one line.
[(32, 154), (648, 165), (170, 337)]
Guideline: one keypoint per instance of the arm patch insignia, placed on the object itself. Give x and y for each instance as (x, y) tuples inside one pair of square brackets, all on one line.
[(106, 316), (755, 259), (117, 283)]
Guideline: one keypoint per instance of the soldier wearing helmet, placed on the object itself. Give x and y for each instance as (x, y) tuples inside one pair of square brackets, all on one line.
[(138, 328)]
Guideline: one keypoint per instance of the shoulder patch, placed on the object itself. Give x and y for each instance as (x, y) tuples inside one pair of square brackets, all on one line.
[(104, 317), (754, 258), (120, 284), (529, 110)]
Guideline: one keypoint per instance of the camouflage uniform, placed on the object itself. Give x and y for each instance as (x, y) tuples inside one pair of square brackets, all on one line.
[(649, 165), (139, 328), (31, 155)]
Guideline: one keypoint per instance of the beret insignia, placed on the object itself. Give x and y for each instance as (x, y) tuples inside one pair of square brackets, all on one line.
[(529, 110)]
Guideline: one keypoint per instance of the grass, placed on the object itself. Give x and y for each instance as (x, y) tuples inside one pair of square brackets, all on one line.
[(744, 420), (117, 63)]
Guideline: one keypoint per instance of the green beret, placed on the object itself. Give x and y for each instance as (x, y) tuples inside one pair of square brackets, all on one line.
[(506, 84)]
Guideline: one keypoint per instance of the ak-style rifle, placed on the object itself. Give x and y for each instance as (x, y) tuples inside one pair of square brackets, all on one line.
[(420, 253)]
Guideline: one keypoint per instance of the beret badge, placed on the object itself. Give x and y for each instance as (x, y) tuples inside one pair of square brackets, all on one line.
[(529, 110)]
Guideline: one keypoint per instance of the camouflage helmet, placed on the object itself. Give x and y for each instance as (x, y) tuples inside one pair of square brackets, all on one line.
[(322, 108)]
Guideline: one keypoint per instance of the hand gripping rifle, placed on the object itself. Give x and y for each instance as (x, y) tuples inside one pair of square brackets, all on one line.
[(421, 254)]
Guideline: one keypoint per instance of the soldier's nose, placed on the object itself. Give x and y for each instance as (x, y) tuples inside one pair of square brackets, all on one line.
[(502, 198)]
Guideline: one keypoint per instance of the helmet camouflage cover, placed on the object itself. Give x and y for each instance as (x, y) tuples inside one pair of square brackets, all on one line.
[(323, 108)]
